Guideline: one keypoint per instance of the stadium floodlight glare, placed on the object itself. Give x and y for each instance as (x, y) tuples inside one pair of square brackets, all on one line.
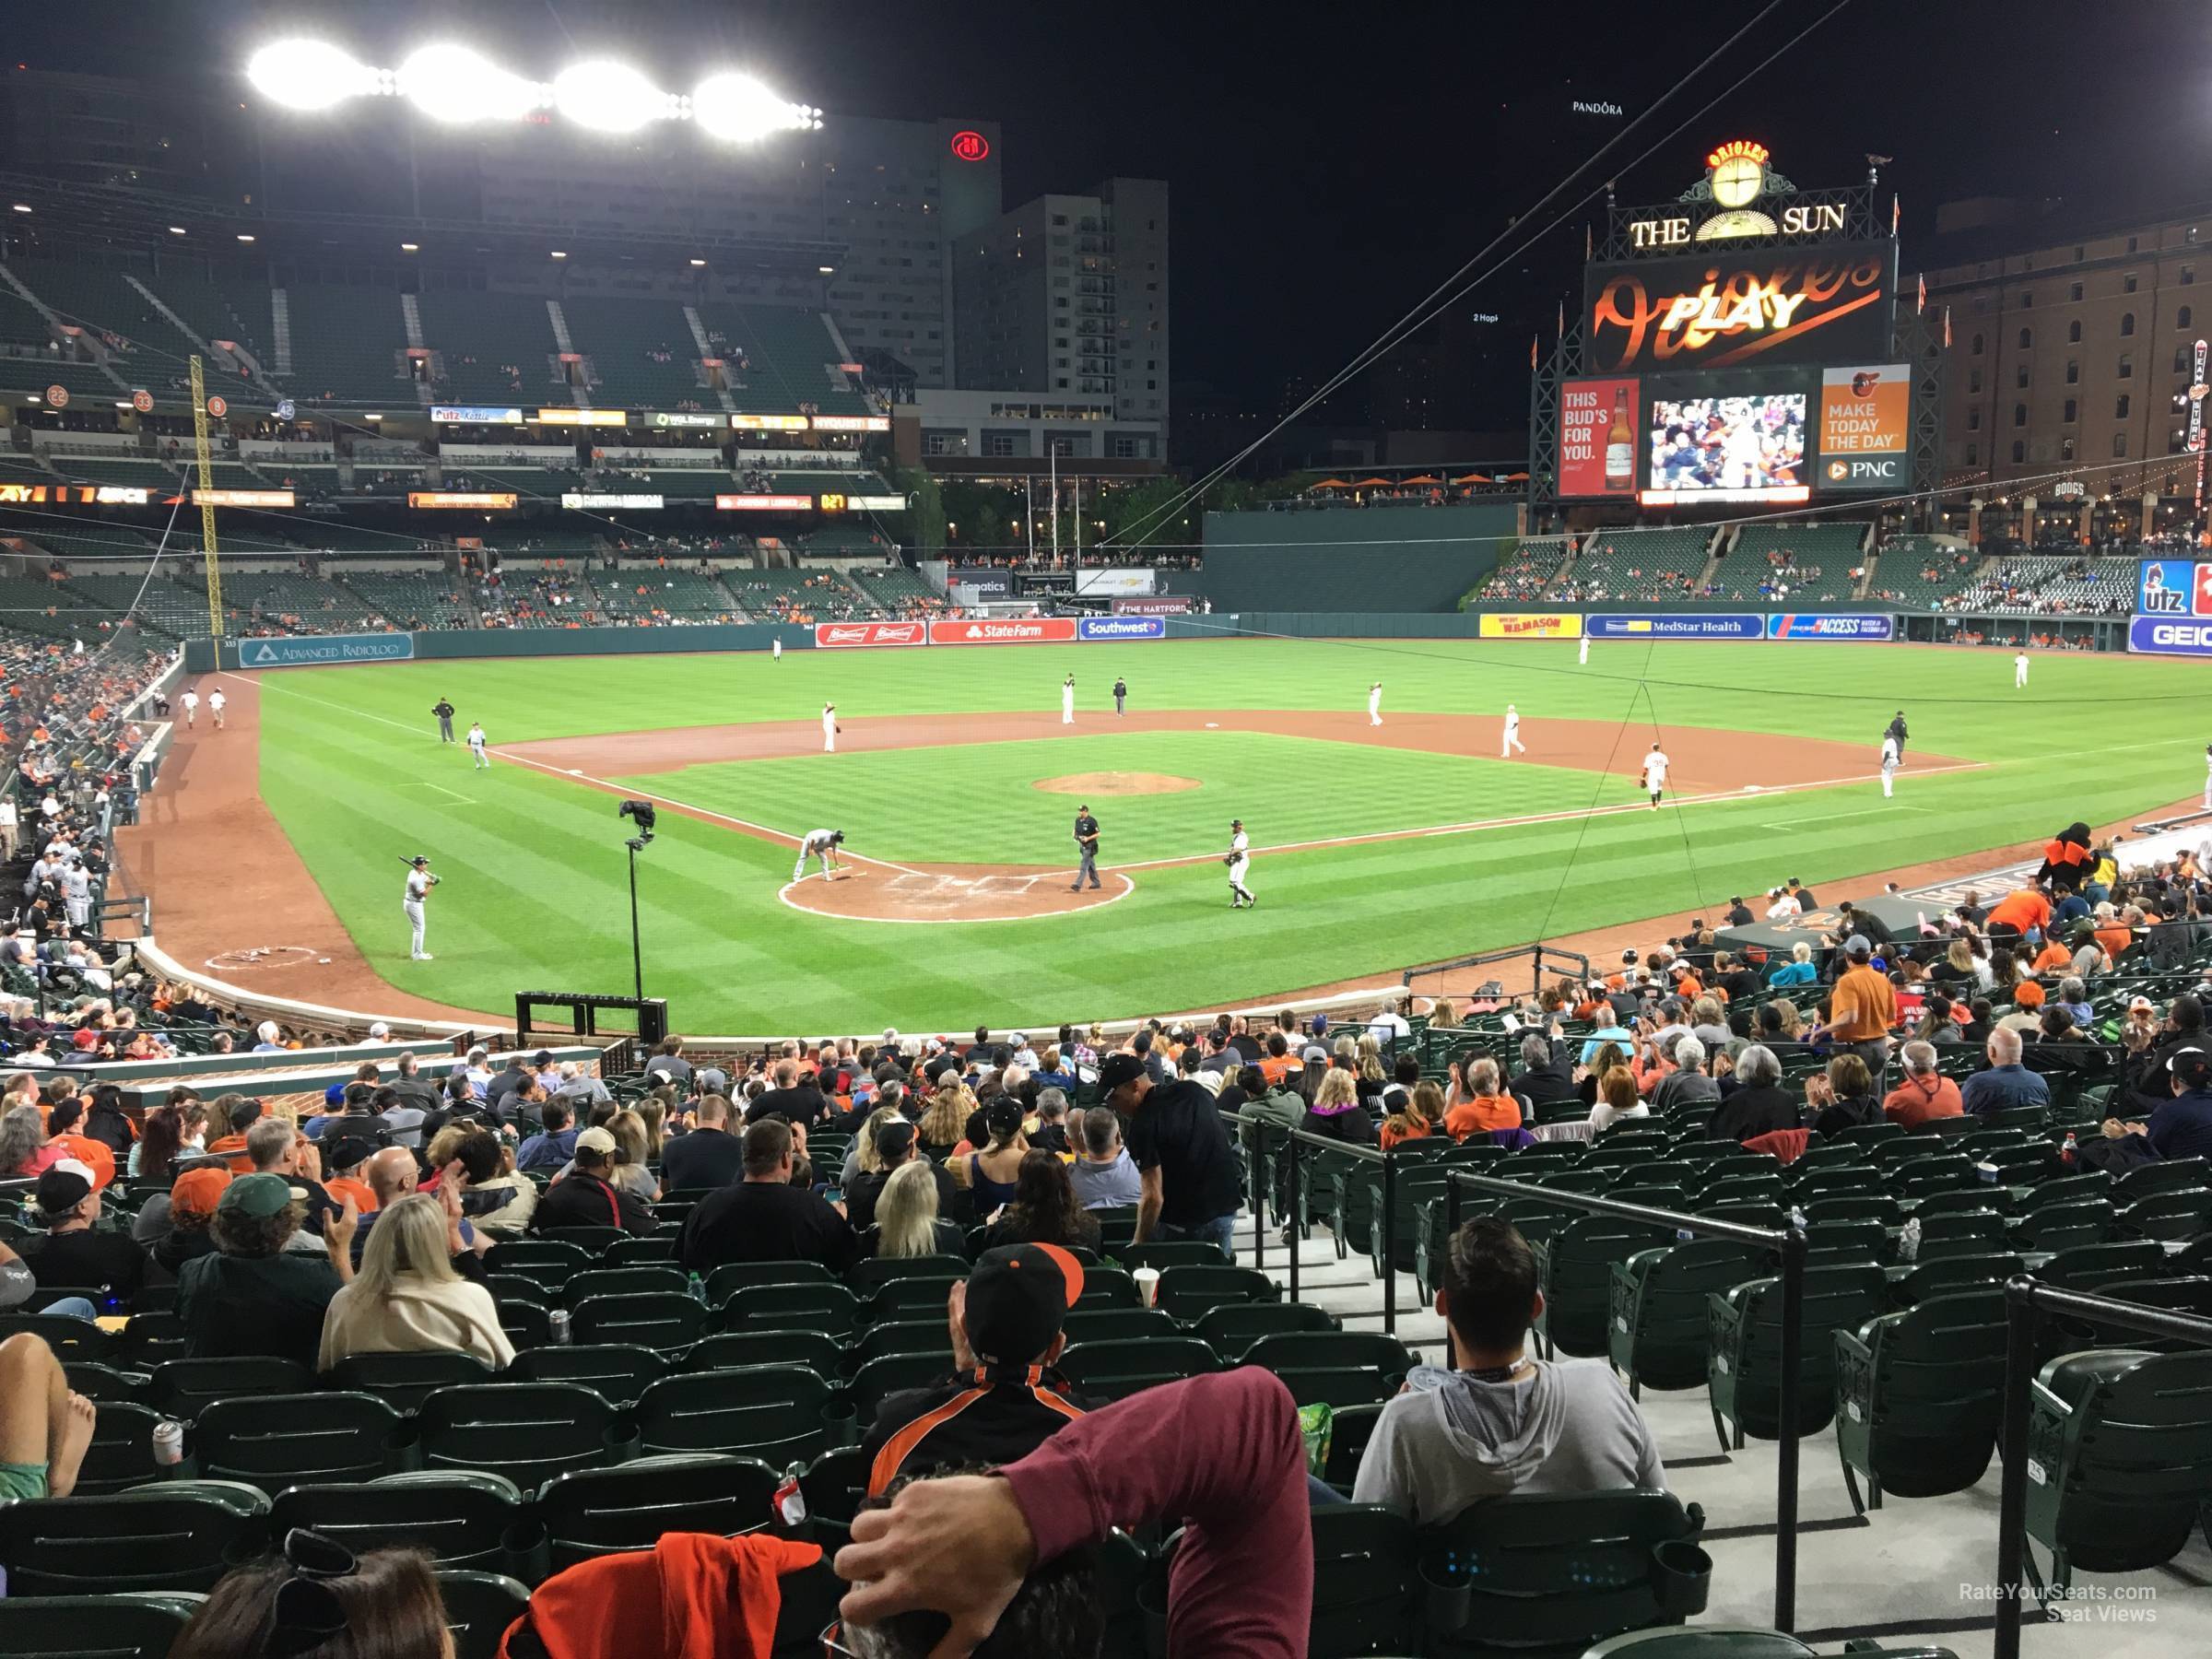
[(243, 237), (22, 207), (607, 97), (827, 270), (410, 247), (309, 75), (740, 108), (456, 84), (558, 253), (698, 262), (176, 229)]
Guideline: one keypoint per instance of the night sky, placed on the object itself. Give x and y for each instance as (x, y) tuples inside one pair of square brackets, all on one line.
[(1331, 163)]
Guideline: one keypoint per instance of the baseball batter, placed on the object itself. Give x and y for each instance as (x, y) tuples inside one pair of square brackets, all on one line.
[(820, 844), (1239, 861), (192, 709), (1374, 703), (420, 883), (1889, 760), (1654, 774), (2019, 671), (1067, 701), (1513, 744), (829, 728), (480, 762), (216, 702)]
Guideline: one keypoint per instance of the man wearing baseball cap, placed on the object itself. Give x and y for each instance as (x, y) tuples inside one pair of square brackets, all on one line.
[(191, 1201), (1004, 1400), (1861, 1007), (586, 1198), (255, 1295), (2181, 1127), (1190, 1187), (895, 1146), (70, 1252)]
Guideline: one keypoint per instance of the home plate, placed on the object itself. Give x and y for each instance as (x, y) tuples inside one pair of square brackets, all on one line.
[(1211, 724)]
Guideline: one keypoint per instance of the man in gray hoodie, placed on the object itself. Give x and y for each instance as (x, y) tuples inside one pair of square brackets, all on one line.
[(1501, 1421)]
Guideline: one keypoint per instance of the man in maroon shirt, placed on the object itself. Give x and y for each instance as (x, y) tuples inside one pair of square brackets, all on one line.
[(962, 1564)]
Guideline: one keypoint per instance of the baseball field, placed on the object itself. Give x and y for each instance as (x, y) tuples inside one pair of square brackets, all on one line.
[(957, 784)]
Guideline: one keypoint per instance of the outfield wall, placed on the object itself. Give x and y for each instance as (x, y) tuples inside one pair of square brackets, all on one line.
[(1402, 559)]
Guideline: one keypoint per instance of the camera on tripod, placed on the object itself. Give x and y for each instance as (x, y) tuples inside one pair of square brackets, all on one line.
[(643, 816)]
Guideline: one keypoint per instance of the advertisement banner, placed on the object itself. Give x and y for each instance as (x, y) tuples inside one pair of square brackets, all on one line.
[(574, 499), (583, 417), (326, 649), (1008, 631), (1722, 626), (242, 498), (1120, 627), (852, 423), (843, 635), (2173, 587), (1795, 626), (876, 503), (1514, 625), (1865, 427), (475, 415), (1158, 605), (764, 503), (1106, 582), (1714, 308), (482, 501), (2169, 635), (665, 421), (769, 423), (988, 583), (1598, 440)]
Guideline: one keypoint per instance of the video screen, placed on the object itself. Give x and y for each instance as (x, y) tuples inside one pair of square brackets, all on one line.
[(1744, 448)]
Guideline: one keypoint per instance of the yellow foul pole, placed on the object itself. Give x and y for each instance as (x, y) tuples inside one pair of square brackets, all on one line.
[(206, 477)]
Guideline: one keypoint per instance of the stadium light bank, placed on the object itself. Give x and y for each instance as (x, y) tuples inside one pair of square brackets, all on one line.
[(458, 86)]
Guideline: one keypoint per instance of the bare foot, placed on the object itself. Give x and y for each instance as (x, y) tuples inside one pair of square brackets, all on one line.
[(69, 1456)]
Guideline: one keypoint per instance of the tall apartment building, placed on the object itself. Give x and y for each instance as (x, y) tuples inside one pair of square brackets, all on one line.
[(1068, 294), (2078, 355)]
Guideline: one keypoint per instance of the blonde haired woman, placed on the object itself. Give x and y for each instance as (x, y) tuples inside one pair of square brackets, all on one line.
[(861, 1155), (405, 1297), (945, 1125), (907, 1223), (632, 1152)]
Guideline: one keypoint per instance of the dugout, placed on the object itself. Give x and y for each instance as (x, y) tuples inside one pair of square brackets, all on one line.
[(1900, 916)]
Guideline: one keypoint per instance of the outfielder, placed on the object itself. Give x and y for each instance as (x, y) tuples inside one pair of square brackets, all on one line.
[(1583, 654), (216, 701), (191, 708), (1654, 774), (820, 844), (1513, 744), (476, 746), (1374, 703), (776, 648), (2019, 672), (829, 728), (444, 710), (1239, 861), (420, 883), (1086, 846), (1067, 701), (1889, 760)]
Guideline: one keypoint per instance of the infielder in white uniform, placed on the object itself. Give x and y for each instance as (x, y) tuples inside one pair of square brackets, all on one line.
[(2019, 672), (420, 883), (829, 728), (1654, 774), (1889, 760), (1239, 861), (818, 844), (1513, 744), (76, 891), (216, 702), (1067, 701), (1584, 654), (192, 709), (1374, 703), (476, 746)]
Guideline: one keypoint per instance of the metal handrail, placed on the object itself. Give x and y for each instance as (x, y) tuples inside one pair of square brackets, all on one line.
[(2025, 1302), (1256, 1173), (1790, 1243)]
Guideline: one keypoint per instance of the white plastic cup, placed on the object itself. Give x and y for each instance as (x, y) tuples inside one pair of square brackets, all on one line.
[(1148, 1283)]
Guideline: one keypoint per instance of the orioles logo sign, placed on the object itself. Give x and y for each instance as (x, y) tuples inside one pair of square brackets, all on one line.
[(1701, 315)]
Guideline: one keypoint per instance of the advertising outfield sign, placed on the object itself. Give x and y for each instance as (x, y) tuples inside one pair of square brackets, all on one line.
[(1158, 605), (1721, 626), (1008, 631), (1517, 624), (2173, 587), (833, 636), (1120, 627), (324, 649), (1114, 579), (988, 580), (1598, 438), (1801, 304), (1793, 625), (2169, 635), (1865, 427)]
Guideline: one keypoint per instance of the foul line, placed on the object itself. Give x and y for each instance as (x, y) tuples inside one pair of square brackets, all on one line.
[(1561, 816)]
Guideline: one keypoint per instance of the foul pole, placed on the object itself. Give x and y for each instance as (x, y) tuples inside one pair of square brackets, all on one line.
[(206, 494)]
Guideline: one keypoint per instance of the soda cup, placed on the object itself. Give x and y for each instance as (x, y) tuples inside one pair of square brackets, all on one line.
[(169, 1443), (1148, 1283)]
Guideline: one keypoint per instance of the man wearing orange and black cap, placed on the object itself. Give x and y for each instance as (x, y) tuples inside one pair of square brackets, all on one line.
[(1003, 1399)]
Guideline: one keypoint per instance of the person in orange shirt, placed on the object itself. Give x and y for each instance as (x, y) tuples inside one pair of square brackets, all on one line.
[(2023, 910), (62, 1124), (2053, 956), (1922, 1096), (239, 1113), (1861, 1007), (1280, 1062), (1483, 1108), (2112, 934)]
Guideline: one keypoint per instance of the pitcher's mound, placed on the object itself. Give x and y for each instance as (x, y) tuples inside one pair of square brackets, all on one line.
[(1115, 784)]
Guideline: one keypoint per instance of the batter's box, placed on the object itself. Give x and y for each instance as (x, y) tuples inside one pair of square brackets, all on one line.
[(917, 881)]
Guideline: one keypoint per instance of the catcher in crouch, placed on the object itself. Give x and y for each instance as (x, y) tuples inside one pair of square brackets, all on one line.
[(822, 844)]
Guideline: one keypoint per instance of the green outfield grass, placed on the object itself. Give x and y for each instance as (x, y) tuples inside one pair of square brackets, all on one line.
[(535, 890)]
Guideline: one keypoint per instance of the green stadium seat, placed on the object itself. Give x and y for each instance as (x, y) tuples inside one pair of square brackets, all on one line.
[(828, 1308), (1365, 1587), (834, 1485), (1103, 1324), (1179, 1252), (459, 1518), (527, 1324), (1232, 1327), (1949, 1273), (275, 1440), (179, 1388), (590, 1513), (1184, 1294), (147, 1339), (782, 1414), (123, 1625), (869, 1277), (73, 1340), (1918, 1397), (880, 1377), (659, 1320), (2176, 1214), (527, 1431), (1114, 1369), (2087, 1264), (549, 1262), (480, 1609), (122, 1453), (1334, 1368), (1659, 1333), (913, 1298), (733, 1350), (727, 1281), (1576, 1268), (1744, 1362), (404, 1380), (176, 1536), (617, 1374), (621, 1281)]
